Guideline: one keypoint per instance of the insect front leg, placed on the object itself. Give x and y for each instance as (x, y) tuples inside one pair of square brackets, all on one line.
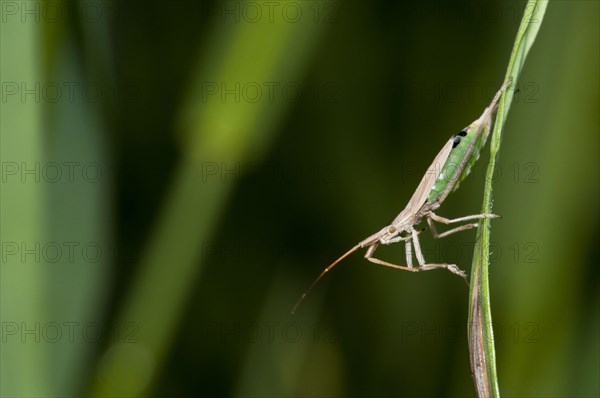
[(373, 247), (407, 250), (397, 239)]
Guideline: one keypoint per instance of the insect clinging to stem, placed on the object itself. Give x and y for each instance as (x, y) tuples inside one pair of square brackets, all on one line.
[(451, 165)]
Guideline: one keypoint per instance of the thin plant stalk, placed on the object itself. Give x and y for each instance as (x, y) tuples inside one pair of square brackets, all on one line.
[(481, 337)]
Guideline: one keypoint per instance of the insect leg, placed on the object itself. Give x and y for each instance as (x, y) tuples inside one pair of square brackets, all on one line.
[(407, 248), (371, 251), (409, 253), (425, 267), (385, 263), (444, 220), (397, 239), (449, 232), (417, 245)]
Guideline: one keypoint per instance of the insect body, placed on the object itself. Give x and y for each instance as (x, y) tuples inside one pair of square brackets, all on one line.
[(451, 165)]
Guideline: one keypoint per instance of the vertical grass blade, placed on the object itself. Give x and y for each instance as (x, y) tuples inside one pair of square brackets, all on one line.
[(481, 337)]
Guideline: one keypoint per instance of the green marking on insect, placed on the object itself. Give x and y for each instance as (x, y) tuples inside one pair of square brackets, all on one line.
[(451, 165)]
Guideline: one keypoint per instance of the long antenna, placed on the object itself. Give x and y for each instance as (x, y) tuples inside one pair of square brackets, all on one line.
[(301, 299)]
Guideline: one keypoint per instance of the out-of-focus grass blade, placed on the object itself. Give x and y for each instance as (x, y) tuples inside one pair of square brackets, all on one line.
[(51, 212), (481, 338), (78, 214), (217, 132), (24, 361)]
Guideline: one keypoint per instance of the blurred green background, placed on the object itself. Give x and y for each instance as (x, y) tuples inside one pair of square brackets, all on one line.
[(174, 174)]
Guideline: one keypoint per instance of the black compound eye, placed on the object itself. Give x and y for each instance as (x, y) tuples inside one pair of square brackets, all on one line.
[(463, 133), (457, 139)]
